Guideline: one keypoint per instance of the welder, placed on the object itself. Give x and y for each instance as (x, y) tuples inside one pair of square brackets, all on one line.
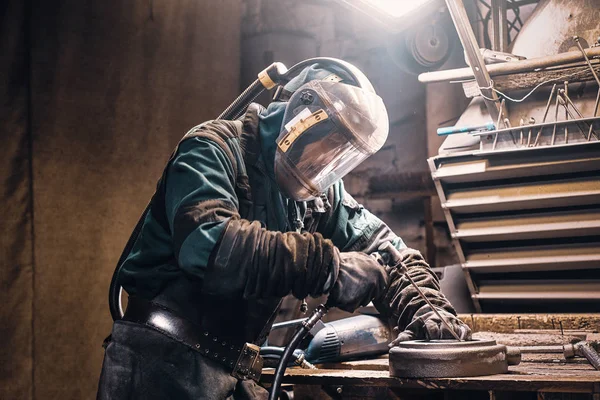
[(247, 212)]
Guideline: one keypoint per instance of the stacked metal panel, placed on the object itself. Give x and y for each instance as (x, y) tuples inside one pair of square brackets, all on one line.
[(526, 225)]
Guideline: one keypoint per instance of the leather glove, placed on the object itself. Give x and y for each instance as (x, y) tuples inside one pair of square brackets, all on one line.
[(360, 279), (409, 313), (428, 326)]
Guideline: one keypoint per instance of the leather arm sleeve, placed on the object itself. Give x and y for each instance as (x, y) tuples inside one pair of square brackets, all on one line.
[(234, 256), (402, 302), (264, 263)]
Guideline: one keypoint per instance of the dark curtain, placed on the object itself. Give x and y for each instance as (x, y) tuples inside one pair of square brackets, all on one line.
[(16, 238), (98, 93)]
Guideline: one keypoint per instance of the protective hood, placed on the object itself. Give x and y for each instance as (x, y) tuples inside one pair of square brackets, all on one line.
[(328, 129)]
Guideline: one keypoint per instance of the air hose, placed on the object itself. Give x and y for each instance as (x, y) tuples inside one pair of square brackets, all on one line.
[(300, 334)]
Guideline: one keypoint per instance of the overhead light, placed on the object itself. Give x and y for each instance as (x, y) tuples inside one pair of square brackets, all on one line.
[(397, 8), (396, 15)]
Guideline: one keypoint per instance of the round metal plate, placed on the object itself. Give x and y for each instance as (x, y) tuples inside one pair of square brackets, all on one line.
[(447, 358)]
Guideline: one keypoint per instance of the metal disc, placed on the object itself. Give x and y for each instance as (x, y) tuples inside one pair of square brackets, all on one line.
[(447, 358)]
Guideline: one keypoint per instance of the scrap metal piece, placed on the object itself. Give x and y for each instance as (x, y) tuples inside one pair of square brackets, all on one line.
[(521, 124), (566, 89), (537, 137), (449, 358), (493, 57), (469, 42), (566, 102), (498, 124), (555, 120), (583, 349), (531, 122), (587, 60)]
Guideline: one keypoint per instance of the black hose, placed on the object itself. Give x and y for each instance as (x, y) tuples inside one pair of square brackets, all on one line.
[(300, 334), (239, 105), (114, 290)]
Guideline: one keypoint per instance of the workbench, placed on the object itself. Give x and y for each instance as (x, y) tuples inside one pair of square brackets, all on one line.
[(538, 376), (541, 378)]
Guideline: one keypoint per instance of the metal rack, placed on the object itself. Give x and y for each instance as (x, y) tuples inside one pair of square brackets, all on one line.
[(525, 223)]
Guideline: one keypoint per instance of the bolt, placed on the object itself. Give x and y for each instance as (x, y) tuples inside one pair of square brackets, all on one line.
[(306, 97), (339, 390)]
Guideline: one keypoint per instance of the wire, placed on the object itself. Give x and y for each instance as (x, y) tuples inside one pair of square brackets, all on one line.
[(507, 97)]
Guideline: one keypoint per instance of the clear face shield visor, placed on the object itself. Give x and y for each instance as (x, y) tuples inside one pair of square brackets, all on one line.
[(329, 128)]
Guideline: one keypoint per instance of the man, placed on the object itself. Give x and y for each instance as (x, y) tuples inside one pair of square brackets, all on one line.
[(247, 212)]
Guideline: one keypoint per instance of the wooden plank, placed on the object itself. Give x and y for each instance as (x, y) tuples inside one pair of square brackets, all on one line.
[(507, 323), (552, 361), (543, 379)]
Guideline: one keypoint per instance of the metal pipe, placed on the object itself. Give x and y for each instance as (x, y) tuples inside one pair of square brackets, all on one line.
[(498, 124), (566, 89), (508, 68), (541, 349), (568, 102), (288, 324), (564, 103), (537, 137), (581, 349), (469, 43), (499, 25), (531, 122), (555, 120), (587, 60)]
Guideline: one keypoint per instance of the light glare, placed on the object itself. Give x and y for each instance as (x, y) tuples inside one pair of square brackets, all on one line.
[(397, 8)]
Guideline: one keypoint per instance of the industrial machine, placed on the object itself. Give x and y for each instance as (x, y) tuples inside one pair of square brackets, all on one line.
[(522, 201)]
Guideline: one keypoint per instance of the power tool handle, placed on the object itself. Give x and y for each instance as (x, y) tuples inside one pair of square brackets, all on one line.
[(395, 256)]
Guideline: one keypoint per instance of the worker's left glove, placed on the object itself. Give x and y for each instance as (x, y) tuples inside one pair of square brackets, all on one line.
[(409, 313), (361, 278)]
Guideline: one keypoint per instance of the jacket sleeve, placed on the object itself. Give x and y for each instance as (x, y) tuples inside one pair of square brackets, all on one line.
[(351, 227), (231, 255)]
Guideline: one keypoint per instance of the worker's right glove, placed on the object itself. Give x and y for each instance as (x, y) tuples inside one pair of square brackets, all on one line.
[(360, 279), (428, 326), (409, 313)]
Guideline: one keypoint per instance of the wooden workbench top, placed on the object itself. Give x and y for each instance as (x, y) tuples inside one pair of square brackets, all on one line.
[(531, 375)]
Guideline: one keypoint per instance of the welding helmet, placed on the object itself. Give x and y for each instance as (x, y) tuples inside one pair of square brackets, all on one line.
[(329, 127)]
